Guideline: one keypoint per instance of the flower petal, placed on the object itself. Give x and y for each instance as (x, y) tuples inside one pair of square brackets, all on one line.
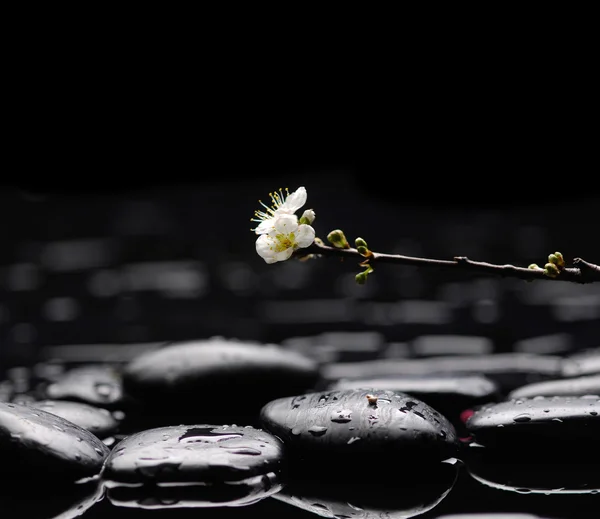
[(294, 201), (286, 223), (284, 254), (265, 246), (264, 227), (305, 236)]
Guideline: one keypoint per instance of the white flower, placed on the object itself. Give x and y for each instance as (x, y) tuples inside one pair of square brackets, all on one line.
[(281, 204), (284, 238)]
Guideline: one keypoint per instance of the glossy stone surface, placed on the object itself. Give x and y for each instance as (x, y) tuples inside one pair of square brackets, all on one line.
[(228, 381), (99, 421), (225, 465), (347, 424), (37, 444), (95, 384), (576, 386), (508, 370), (538, 422), (448, 394)]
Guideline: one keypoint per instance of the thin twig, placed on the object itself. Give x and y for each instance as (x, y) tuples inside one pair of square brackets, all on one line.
[(584, 272)]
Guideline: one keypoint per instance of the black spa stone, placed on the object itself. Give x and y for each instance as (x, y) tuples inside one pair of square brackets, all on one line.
[(99, 385), (508, 370), (358, 424), (35, 444), (194, 465), (448, 394), (539, 422), (225, 380), (99, 421), (586, 362), (576, 386)]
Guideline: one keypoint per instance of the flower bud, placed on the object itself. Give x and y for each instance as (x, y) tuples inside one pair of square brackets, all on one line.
[(307, 217), (533, 266), (551, 270), (361, 277), (363, 251), (359, 242), (338, 239), (561, 260)]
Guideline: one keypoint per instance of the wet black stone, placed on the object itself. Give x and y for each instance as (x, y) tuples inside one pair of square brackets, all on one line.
[(345, 427), (95, 384), (508, 370), (225, 381), (585, 362), (35, 444), (99, 421), (576, 386), (448, 394), (558, 423), (505, 469), (194, 465), (371, 495)]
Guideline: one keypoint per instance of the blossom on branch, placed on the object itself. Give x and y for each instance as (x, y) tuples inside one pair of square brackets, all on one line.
[(280, 204)]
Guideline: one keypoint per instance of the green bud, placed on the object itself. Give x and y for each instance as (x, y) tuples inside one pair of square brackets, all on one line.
[(553, 258), (338, 239), (551, 270), (359, 242), (362, 250), (307, 218), (561, 260), (533, 266), (361, 277)]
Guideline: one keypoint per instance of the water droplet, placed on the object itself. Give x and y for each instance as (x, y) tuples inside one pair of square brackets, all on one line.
[(353, 439), (98, 451), (499, 426), (78, 439), (58, 428), (557, 420), (342, 416), (420, 415), (594, 413), (78, 457), (522, 418), (206, 435), (15, 436), (317, 430), (118, 415), (546, 410), (442, 433), (523, 490), (296, 431), (104, 389), (518, 402)]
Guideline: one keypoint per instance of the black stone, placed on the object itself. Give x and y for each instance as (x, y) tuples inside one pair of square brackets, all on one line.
[(586, 362), (35, 444), (448, 394), (576, 386), (371, 495), (559, 423), (194, 465), (344, 426), (225, 381), (508, 370), (95, 384), (99, 421)]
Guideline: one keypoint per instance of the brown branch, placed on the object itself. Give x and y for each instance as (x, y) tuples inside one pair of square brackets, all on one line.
[(583, 272)]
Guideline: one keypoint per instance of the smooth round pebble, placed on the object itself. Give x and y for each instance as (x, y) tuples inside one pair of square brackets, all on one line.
[(576, 386), (358, 423), (562, 421), (194, 465), (95, 384), (225, 380), (35, 444), (99, 421), (586, 362), (448, 394), (508, 370)]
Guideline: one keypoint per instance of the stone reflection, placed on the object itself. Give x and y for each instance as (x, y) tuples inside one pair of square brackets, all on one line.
[(366, 495), (50, 501), (534, 474)]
